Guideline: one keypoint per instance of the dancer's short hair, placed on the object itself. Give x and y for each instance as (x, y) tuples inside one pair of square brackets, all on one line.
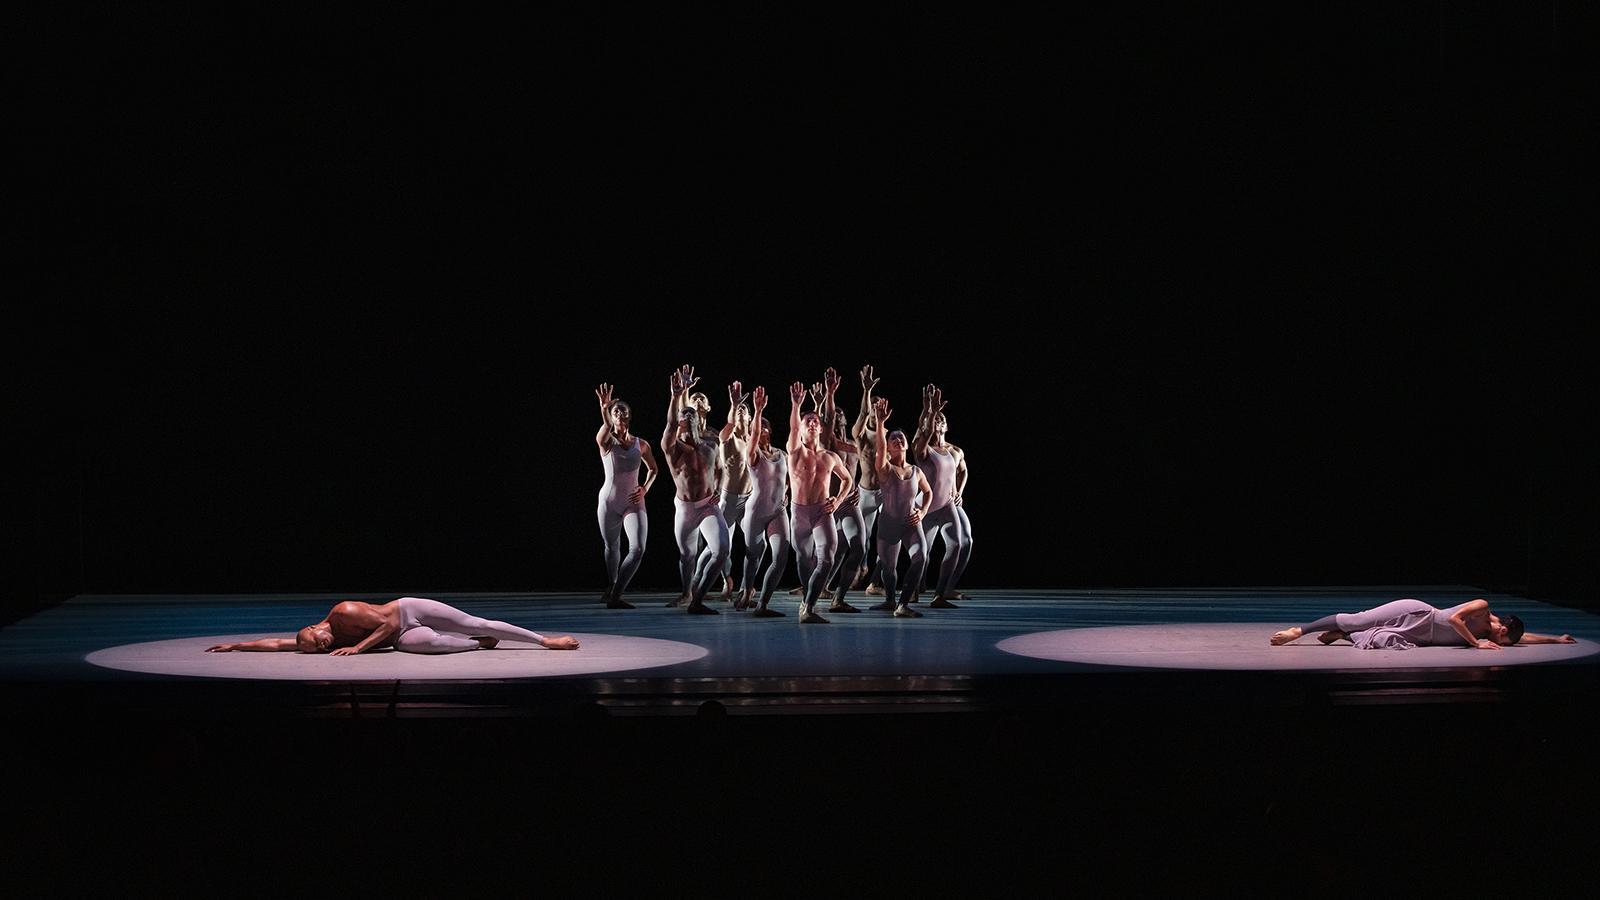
[(1514, 628)]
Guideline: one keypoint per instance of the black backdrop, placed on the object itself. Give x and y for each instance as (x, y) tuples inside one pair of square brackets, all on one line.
[(1234, 296)]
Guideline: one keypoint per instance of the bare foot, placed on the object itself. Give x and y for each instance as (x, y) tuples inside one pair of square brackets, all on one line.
[(808, 617), (699, 608), (745, 600), (875, 590), (1328, 637), (885, 606), (905, 612), (486, 643), (942, 603), (618, 603), (839, 606), (727, 591), (680, 600), (795, 592), (765, 613), (1285, 636)]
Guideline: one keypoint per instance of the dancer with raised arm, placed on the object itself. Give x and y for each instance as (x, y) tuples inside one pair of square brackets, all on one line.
[(865, 435), (945, 466), (811, 527), (900, 517), (766, 521), (852, 527), (1408, 623), (734, 487), (410, 625), (694, 462), (622, 496)]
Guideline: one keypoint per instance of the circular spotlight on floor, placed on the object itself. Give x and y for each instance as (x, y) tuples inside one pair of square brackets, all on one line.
[(598, 654), (1245, 646)]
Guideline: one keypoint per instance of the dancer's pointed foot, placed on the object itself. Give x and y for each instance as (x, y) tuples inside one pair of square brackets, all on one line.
[(942, 603), (766, 613), (699, 608), (745, 600), (905, 612), (486, 643), (797, 591), (1285, 636), (679, 600), (809, 617), (1328, 637), (875, 590), (885, 606), (839, 606)]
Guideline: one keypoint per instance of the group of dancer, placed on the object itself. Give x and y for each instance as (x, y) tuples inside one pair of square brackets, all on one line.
[(857, 487), (835, 492)]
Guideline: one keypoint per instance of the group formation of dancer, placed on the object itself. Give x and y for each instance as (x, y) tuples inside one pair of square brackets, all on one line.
[(833, 491)]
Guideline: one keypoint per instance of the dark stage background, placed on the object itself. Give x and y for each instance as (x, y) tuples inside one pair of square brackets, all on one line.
[(1240, 296)]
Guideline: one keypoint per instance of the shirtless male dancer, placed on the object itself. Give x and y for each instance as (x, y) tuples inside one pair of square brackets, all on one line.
[(734, 488), (811, 527), (766, 521), (410, 625), (622, 496), (694, 463), (945, 466)]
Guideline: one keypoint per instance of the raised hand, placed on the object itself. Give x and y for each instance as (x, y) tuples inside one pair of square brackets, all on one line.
[(760, 400), (880, 409), (830, 380), (736, 395), (797, 393), (604, 393), (677, 382), (868, 380), (927, 396), (938, 403), (816, 394), (687, 377)]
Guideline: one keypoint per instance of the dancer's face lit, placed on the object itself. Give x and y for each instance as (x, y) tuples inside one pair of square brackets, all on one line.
[(314, 639), (895, 446), (620, 417), (811, 424), (940, 426)]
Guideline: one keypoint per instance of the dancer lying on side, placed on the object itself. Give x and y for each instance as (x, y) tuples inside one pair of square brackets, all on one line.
[(1404, 624), (410, 625)]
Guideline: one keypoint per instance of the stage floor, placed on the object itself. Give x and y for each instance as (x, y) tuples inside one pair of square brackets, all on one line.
[(914, 757), (1002, 647)]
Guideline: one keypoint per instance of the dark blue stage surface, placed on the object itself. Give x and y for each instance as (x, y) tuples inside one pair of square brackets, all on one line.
[(776, 665)]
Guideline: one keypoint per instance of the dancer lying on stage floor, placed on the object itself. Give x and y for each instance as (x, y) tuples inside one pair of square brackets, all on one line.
[(410, 625), (1405, 624)]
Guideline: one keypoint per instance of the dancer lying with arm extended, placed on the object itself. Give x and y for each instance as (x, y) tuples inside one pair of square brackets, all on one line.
[(410, 625), (1403, 624)]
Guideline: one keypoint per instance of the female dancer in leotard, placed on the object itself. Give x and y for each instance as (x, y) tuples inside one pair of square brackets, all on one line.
[(899, 519), (1404, 624), (766, 520), (622, 496), (945, 466)]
